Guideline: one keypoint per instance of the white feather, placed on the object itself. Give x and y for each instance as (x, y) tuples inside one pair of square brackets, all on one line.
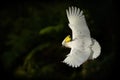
[(83, 47), (95, 48), (76, 58), (77, 23)]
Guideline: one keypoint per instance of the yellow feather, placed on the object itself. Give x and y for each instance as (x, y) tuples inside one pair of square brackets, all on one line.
[(68, 39)]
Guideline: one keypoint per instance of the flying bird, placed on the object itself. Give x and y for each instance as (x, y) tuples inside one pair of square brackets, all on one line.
[(83, 47)]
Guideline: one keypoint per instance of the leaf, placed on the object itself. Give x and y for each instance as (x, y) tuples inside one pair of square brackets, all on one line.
[(50, 29)]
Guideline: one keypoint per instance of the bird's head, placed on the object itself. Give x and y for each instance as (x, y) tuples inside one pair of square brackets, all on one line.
[(66, 40)]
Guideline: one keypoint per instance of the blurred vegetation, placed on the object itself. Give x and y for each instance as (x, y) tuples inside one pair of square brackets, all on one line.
[(31, 34)]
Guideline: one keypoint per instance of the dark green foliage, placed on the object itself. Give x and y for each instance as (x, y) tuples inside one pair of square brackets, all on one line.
[(31, 35)]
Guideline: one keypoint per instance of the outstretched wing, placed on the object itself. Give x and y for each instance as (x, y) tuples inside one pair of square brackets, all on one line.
[(77, 23), (76, 57)]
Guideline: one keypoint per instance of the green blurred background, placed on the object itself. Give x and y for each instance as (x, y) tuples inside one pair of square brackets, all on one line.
[(31, 34)]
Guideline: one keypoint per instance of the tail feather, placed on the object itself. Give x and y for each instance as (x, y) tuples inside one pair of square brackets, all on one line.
[(96, 49)]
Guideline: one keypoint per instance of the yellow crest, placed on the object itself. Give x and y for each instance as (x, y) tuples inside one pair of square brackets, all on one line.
[(68, 39)]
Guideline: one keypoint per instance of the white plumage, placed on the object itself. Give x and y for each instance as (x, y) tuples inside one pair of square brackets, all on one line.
[(83, 47)]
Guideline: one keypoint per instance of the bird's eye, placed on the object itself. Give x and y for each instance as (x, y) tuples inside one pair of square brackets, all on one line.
[(68, 39)]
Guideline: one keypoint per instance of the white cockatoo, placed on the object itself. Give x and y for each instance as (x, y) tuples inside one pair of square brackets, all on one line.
[(83, 47)]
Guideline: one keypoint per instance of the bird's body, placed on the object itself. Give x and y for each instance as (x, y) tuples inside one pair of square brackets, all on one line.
[(83, 47)]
